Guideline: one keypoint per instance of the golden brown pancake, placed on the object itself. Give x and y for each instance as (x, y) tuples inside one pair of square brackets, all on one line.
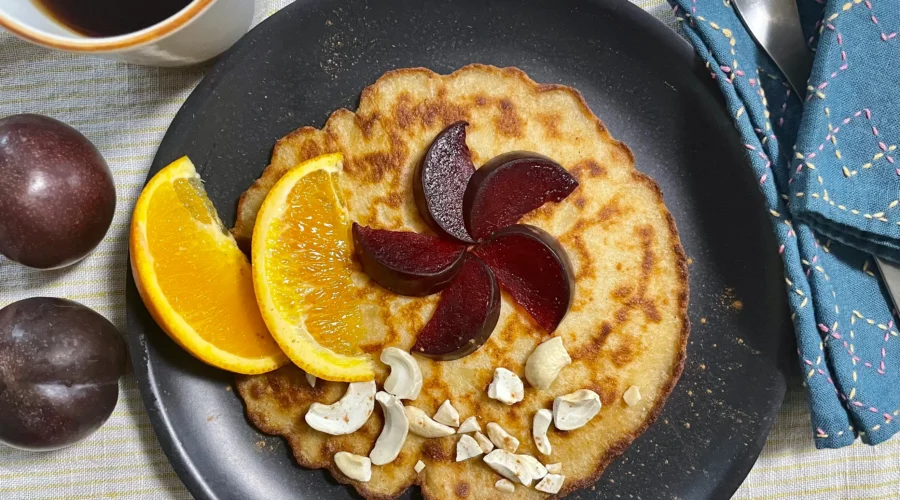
[(628, 323)]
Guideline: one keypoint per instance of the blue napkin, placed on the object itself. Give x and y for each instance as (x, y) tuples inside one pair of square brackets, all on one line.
[(828, 167)]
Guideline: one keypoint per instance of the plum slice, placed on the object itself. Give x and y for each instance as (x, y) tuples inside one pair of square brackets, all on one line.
[(440, 182), (465, 316), (407, 263), (509, 186), (535, 269)]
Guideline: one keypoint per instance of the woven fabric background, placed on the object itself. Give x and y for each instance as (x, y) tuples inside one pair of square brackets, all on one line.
[(125, 111)]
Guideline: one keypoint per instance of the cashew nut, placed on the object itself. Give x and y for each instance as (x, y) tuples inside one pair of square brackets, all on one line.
[(354, 466), (632, 395), (348, 414), (506, 387), (505, 485), (420, 466), (575, 410), (393, 435), (535, 468), (469, 425), (421, 424), (509, 466), (551, 483), (447, 415), (539, 428), (501, 438), (545, 363), (405, 380), (467, 448), (486, 445)]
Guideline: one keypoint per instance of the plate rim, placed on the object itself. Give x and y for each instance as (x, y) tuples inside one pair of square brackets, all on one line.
[(167, 436)]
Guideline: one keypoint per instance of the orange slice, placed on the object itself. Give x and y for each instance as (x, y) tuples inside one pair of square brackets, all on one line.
[(302, 272), (193, 279)]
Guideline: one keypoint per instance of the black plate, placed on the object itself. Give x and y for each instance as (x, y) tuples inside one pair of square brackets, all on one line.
[(641, 79)]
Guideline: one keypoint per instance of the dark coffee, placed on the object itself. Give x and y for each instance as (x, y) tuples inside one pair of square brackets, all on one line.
[(100, 18)]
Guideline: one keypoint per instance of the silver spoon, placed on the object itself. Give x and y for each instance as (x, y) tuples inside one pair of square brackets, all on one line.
[(775, 25)]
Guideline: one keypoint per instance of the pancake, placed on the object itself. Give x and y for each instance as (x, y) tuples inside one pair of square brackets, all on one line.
[(628, 323)]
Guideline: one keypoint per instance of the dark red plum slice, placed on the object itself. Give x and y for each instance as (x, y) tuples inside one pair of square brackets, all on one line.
[(440, 182), (509, 186), (465, 316), (535, 269), (407, 263)]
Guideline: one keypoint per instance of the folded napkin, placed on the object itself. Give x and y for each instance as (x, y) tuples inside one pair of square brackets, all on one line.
[(826, 166)]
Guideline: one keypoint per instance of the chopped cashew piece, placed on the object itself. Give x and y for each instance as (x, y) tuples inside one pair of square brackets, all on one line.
[(535, 467), (469, 425), (486, 445), (421, 424), (505, 485), (506, 387), (632, 395), (554, 468), (576, 409), (551, 483), (501, 438), (542, 421), (354, 466), (420, 466), (405, 380), (312, 380), (467, 448), (447, 415), (509, 466), (346, 415), (545, 363), (393, 435)]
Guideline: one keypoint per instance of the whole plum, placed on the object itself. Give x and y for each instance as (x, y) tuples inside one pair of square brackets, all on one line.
[(57, 196), (60, 364)]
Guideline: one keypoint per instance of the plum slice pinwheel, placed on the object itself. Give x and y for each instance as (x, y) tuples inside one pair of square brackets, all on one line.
[(479, 245)]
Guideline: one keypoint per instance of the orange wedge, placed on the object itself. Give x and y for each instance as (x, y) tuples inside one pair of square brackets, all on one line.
[(193, 279), (302, 273)]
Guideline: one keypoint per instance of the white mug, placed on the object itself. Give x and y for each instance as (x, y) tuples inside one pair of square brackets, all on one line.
[(199, 32)]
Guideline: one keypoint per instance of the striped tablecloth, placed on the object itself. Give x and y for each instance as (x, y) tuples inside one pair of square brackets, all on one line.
[(125, 111)]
